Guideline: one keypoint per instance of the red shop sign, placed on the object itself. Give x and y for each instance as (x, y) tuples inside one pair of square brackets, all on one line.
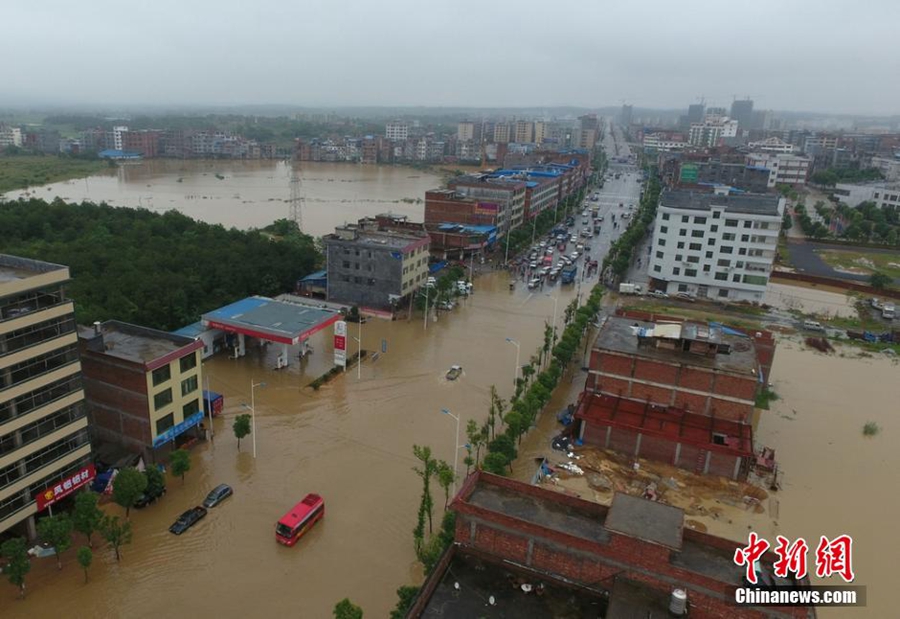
[(65, 487)]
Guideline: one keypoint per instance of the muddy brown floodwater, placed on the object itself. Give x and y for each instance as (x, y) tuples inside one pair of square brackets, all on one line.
[(351, 441), (252, 193)]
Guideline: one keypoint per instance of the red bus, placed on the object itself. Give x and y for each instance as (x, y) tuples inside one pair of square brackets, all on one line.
[(299, 519)]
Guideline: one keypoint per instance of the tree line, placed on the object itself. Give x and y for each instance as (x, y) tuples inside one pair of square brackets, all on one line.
[(160, 270)]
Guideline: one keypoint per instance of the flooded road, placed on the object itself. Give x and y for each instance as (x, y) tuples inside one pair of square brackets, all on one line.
[(252, 193), (351, 441)]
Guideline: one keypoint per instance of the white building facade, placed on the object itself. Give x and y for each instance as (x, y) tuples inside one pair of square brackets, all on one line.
[(10, 136), (398, 131), (889, 168), (715, 246), (884, 195), (771, 145), (783, 169)]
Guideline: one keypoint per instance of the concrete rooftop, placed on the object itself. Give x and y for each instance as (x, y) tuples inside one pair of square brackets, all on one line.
[(749, 204), (134, 343), (14, 268), (646, 520)]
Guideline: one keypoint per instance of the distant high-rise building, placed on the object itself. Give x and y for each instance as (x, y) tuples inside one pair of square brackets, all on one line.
[(627, 111), (118, 137), (541, 131), (696, 111), (501, 133), (524, 132), (465, 131), (396, 130), (742, 111)]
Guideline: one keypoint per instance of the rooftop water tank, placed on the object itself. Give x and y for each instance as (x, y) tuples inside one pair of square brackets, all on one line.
[(678, 603)]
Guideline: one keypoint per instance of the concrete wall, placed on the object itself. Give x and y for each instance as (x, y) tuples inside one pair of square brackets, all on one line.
[(377, 276)]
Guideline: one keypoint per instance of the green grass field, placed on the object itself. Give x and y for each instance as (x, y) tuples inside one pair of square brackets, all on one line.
[(32, 171), (862, 261)]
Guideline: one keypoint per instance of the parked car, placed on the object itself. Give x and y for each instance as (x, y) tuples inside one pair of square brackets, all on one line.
[(686, 296), (534, 283), (659, 294), (187, 520), (217, 495), (812, 325), (149, 497)]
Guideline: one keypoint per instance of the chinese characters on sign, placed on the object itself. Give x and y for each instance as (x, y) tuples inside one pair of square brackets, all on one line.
[(340, 343), (65, 487), (833, 557)]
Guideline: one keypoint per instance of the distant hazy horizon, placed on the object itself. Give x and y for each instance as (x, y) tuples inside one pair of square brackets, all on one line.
[(823, 57)]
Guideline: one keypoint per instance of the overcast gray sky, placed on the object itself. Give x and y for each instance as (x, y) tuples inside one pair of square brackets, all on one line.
[(825, 55)]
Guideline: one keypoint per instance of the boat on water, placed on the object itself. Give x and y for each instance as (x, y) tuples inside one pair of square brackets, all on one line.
[(454, 372)]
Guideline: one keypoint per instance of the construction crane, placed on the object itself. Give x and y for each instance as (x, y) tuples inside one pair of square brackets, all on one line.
[(297, 201)]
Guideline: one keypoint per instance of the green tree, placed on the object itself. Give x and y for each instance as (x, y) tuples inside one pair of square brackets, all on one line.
[(880, 280), (180, 460), (241, 427), (477, 438), (56, 531), (495, 463), (505, 446), (156, 481), (345, 609), (445, 478), (426, 472), (406, 595), (17, 564), (115, 532), (87, 516), (128, 485), (85, 558)]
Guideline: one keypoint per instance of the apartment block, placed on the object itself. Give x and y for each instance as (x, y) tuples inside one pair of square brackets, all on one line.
[(143, 386), (884, 195), (501, 198), (44, 442), (371, 266), (10, 136), (396, 130), (783, 169), (716, 246), (889, 168)]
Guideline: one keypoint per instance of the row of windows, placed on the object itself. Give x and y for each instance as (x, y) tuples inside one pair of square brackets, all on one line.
[(41, 396), (163, 374), (167, 421), (164, 397), (31, 301), (42, 427), (37, 366), (759, 280), (36, 333), (42, 457), (729, 223)]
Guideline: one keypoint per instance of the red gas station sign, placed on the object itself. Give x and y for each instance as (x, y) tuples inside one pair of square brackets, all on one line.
[(340, 342)]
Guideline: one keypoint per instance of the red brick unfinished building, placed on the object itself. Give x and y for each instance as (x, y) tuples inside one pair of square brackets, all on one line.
[(678, 392), (627, 558)]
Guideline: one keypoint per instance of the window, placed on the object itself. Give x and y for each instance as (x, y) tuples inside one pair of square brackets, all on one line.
[(676, 271), (728, 237), (745, 238), (165, 423), (723, 262), (346, 264), (682, 287), (695, 246), (188, 363), (717, 214), (706, 268), (726, 249), (356, 265), (661, 242), (682, 232), (680, 245), (710, 241), (722, 277), (731, 223), (161, 399), (657, 268), (660, 255), (742, 251), (757, 280), (679, 257), (748, 224), (709, 254), (188, 385), (723, 292), (665, 217), (714, 228), (663, 229), (161, 375), (190, 408), (693, 259), (700, 220), (739, 265), (357, 252), (685, 219), (697, 234), (690, 272)]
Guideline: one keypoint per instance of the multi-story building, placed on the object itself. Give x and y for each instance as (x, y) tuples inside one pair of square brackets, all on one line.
[(664, 141), (144, 142), (678, 391), (371, 266), (771, 145), (589, 129), (884, 195), (742, 112), (465, 131), (541, 189), (501, 200), (118, 137), (626, 116), (44, 442), (713, 130), (783, 169), (143, 386), (10, 136), (524, 132), (716, 246), (502, 133), (889, 168), (819, 141), (542, 131), (397, 131), (737, 175)]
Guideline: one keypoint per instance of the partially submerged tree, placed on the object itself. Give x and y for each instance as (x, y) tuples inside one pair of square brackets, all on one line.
[(241, 427), (85, 558), (87, 516), (116, 533), (180, 460), (56, 531), (345, 609), (128, 485), (17, 565)]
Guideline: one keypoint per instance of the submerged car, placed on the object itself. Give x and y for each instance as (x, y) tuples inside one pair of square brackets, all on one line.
[(187, 520), (217, 495), (149, 496)]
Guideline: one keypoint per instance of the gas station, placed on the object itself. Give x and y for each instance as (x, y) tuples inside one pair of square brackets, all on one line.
[(284, 322)]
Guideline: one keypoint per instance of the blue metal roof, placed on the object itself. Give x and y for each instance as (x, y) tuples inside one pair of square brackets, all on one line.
[(192, 330), (112, 153), (316, 275)]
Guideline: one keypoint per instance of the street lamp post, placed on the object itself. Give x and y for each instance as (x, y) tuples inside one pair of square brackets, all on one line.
[(518, 351), (455, 449), (253, 387)]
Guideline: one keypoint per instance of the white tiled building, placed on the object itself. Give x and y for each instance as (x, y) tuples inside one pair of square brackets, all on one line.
[(783, 169), (715, 246), (884, 195), (396, 130)]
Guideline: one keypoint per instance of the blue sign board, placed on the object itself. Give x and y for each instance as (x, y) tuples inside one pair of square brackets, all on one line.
[(171, 433), (397, 255)]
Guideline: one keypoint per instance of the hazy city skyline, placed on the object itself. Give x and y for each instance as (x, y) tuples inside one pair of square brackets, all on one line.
[(804, 56)]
